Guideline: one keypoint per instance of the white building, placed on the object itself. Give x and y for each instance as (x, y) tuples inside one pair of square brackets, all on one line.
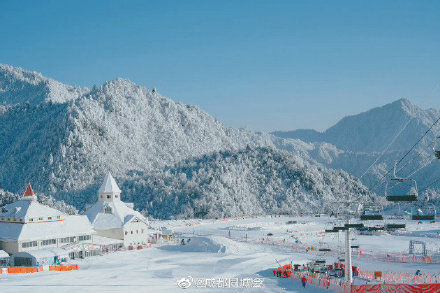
[(27, 225), (112, 218)]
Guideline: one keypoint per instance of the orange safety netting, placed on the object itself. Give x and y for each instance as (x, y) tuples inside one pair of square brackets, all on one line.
[(64, 268), (28, 270), (404, 288)]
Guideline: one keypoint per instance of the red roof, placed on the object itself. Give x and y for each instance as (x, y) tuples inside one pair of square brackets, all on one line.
[(29, 191)]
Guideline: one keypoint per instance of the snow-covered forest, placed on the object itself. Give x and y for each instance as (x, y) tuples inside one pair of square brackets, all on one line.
[(252, 181)]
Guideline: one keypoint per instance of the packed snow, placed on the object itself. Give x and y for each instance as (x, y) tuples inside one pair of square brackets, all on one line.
[(227, 248)]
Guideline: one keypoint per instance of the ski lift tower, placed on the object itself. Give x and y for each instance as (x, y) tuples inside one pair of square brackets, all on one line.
[(351, 209)]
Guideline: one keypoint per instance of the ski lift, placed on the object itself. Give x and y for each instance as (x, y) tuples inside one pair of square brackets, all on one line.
[(355, 225), (331, 230), (395, 223), (425, 213), (406, 197), (372, 212), (394, 226), (330, 227), (324, 247), (436, 149), (354, 244)]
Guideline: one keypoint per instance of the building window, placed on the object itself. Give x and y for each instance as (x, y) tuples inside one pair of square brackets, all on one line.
[(31, 220), (58, 217), (108, 210), (109, 196), (137, 231), (49, 218), (131, 232), (40, 219), (48, 242), (67, 240), (126, 232), (29, 244), (142, 231), (84, 237), (116, 196)]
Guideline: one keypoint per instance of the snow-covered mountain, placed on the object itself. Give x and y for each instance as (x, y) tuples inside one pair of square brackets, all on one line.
[(373, 130), (64, 139), (356, 141)]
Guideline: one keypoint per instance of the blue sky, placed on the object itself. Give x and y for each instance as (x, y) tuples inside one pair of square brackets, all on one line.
[(265, 65)]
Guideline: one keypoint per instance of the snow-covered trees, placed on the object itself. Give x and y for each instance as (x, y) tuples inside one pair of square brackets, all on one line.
[(251, 181)]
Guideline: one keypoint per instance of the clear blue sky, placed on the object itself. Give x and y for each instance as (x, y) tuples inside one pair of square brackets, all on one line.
[(265, 65)]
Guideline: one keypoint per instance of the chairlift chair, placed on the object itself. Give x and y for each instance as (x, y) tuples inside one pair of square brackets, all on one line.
[(329, 228), (425, 213), (355, 244), (436, 148), (324, 247), (394, 223), (372, 213), (407, 197)]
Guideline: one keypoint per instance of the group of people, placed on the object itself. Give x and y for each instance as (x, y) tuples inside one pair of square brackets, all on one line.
[(285, 274)]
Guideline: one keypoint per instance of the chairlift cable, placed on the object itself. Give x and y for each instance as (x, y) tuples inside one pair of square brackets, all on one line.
[(398, 134), (406, 154), (429, 185), (414, 172)]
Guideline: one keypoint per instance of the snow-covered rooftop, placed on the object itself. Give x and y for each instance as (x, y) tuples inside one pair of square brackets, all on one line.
[(3, 254), (119, 216), (26, 209), (109, 185), (70, 226)]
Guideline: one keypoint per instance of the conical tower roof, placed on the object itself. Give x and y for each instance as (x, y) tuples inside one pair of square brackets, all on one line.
[(29, 191), (109, 185), (29, 194)]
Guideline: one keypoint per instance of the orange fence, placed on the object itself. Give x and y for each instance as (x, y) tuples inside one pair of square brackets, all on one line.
[(339, 285), (404, 288), (28, 270), (64, 268)]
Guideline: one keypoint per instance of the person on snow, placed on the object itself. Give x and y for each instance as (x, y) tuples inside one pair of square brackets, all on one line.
[(304, 281)]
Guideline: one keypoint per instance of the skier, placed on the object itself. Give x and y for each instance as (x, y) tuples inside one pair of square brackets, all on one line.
[(304, 281)]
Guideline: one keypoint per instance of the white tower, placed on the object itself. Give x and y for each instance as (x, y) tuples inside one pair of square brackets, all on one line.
[(109, 190)]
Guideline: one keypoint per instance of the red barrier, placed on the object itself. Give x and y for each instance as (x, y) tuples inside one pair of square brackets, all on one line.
[(16, 270), (73, 268), (403, 288)]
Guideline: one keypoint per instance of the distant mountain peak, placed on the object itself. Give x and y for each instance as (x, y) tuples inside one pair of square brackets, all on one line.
[(404, 105), (19, 86), (372, 130)]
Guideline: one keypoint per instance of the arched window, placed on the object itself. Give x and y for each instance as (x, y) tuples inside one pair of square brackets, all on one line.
[(108, 210)]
